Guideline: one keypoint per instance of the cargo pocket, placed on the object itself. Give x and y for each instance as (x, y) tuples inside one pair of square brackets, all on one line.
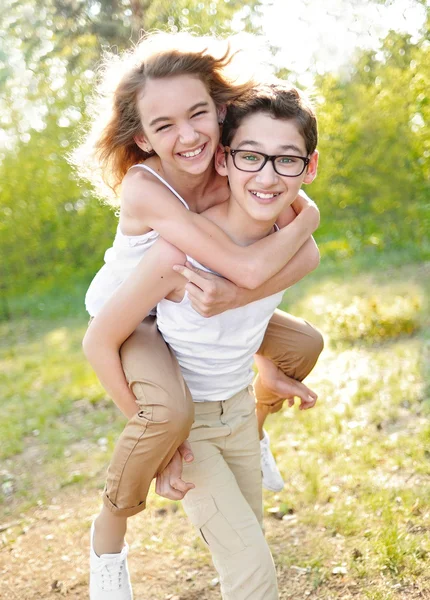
[(215, 529)]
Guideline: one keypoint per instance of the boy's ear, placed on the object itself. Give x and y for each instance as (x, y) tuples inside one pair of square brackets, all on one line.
[(142, 142), (220, 160), (311, 171), (221, 112)]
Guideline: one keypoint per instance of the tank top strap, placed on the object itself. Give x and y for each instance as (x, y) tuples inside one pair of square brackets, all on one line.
[(142, 166)]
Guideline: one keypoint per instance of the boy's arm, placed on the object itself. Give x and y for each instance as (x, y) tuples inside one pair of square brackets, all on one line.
[(151, 281), (155, 206)]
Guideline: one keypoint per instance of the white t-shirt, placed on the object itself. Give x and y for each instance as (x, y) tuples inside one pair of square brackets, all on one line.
[(215, 354)]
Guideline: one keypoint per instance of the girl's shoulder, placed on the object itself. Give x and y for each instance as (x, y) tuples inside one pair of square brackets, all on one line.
[(139, 187), (146, 197), (142, 174)]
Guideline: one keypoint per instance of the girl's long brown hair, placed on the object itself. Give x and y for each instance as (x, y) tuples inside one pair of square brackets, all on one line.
[(108, 149)]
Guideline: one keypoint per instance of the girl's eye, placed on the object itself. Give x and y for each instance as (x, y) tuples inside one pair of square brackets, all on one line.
[(162, 128), (201, 112)]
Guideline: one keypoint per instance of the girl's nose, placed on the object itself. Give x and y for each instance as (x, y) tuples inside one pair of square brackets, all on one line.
[(187, 134)]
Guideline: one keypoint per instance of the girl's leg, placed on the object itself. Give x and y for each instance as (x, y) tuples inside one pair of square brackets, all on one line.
[(150, 438), (282, 388), (287, 355), (224, 441), (292, 346), (109, 532)]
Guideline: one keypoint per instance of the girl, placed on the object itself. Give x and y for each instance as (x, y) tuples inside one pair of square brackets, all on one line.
[(216, 354), (165, 111)]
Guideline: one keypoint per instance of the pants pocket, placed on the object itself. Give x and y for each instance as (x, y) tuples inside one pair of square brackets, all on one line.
[(215, 530)]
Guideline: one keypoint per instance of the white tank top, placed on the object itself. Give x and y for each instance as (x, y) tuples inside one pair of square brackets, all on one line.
[(216, 353), (120, 260)]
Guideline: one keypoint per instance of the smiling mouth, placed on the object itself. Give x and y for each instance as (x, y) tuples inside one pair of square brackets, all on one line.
[(192, 153), (265, 196)]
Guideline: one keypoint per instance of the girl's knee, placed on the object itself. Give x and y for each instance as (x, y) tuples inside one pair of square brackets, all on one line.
[(315, 343), (181, 420)]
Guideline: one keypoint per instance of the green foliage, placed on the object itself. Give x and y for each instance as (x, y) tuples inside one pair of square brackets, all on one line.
[(373, 182), (373, 319), (52, 230)]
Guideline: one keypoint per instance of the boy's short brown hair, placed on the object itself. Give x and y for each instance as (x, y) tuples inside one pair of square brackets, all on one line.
[(279, 100)]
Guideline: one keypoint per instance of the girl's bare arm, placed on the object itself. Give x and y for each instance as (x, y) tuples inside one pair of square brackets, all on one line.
[(211, 295), (152, 280), (156, 207)]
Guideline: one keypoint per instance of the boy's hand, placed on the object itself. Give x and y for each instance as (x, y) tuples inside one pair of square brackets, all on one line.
[(169, 483), (209, 294)]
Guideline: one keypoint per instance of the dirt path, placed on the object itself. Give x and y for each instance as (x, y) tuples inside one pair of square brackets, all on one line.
[(44, 555)]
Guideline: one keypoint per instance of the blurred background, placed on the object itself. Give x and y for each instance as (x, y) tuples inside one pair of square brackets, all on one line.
[(353, 519), (366, 63)]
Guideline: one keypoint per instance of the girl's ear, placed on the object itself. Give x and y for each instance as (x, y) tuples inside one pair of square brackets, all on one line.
[(221, 112), (311, 171), (220, 160), (142, 142)]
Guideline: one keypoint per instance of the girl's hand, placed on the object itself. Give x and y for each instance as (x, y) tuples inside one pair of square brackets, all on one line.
[(303, 204), (209, 294)]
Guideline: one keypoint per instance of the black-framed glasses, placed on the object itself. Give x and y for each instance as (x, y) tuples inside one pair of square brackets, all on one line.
[(285, 165)]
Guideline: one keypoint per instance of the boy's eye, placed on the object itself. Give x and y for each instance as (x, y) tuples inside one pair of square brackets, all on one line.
[(250, 157), (287, 160)]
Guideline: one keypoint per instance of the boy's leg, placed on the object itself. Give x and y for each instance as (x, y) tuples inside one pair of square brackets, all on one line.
[(294, 346), (218, 508), (242, 452)]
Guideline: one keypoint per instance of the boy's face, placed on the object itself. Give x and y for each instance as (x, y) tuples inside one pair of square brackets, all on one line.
[(265, 194)]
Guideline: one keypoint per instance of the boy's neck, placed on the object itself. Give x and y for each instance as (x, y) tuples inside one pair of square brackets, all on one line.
[(243, 229)]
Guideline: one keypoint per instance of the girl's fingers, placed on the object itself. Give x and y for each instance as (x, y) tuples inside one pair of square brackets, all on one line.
[(186, 452)]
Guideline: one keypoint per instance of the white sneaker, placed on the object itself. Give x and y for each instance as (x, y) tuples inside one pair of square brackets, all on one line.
[(272, 478), (109, 576)]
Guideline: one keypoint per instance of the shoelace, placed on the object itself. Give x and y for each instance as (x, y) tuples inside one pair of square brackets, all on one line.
[(111, 574)]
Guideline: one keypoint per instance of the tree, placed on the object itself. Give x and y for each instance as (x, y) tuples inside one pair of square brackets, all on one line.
[(375, 154)]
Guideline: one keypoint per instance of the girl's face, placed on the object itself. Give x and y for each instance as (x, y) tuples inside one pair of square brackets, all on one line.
[(180, 123)]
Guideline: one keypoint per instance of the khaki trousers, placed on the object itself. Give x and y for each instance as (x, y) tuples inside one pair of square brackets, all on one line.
[(166, 413), (226, 504)]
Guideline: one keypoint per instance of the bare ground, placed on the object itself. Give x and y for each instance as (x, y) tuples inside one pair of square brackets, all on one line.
[(43, 555)]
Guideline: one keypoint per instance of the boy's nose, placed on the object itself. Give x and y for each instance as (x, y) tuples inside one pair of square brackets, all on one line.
[(267, 176)]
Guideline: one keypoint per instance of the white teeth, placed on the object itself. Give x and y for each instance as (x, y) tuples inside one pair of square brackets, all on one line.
[(190, 154), (264, 196)]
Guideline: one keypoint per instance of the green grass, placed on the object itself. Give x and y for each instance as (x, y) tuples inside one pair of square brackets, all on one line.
[(357, 466)]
